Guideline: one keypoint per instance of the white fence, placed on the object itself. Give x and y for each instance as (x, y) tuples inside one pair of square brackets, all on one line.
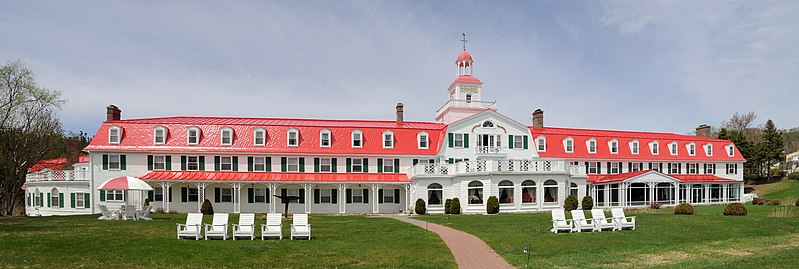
[(66, 175), (504, 166)]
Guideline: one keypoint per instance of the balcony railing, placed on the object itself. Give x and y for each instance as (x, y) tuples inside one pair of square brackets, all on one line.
[(468, 103), (500, 166), (487, 150), (66, 175)]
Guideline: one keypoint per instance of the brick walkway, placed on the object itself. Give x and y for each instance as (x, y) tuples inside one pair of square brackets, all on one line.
[(469, 251)]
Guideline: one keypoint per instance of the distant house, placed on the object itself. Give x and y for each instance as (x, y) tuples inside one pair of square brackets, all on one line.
[(792, 159)]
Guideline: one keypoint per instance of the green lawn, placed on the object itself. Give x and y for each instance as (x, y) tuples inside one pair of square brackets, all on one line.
[(662, 239), (338, 241), (785, 190)]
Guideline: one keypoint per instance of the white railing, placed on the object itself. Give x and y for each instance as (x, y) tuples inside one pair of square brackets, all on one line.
[(66, 175), (468, 103), (490, 150), (498, 166)]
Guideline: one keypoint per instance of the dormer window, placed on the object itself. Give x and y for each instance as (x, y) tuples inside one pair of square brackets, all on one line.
[(614, 147), (634, 147), (293, 139), (324, 138), (193, 136), (673, 148), (159, 135), (655, 146), (114, 135), (227, 136), (388, 139), (691, 149), (731, 150), (422, 139), (542, 143), (709, 149), (488, 124), (569, 145), (357, 139), (259, 137), (591, 146)]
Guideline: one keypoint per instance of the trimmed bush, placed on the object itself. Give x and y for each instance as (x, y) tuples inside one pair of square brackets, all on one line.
[(684, 209), (447, 205), (759, 201), (797, 202), (455, 207), (735, 209), (570, 203), (207, 208), (794, 176), (492, 206), (654, 205), (775, 202), (588, 203), (421, 207)]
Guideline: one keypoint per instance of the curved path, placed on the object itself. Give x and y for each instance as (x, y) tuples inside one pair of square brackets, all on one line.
[(469, 251)]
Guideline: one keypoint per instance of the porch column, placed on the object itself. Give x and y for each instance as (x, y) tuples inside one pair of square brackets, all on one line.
[(342, 199), (651, 192), (237, 197), (725, 189), (166, 187), (676, 187), (408, 206), (308, 197), (273, 205), (200, 195), (707, 192), (375, 204)]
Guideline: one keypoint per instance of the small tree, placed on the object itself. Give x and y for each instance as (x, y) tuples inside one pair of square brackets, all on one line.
[(207, 208), (570, 203), (588, 203), (455, 207), (421, 207), (492, 207), (447, 205)]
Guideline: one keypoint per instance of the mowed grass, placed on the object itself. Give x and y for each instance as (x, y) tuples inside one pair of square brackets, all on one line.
[(785, 190), (662, 239), (338, 241)]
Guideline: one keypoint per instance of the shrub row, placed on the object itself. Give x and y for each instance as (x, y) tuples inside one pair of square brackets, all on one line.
[(761, 201)]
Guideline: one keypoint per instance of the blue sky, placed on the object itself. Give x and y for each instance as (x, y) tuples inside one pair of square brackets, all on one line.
[(629, 65)]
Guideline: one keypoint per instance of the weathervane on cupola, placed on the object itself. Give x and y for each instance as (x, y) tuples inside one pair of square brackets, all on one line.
[(464, 92), (464, 41)]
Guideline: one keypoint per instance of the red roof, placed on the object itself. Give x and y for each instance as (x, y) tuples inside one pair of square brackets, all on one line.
[(555, 146), (274, 176), (138, 134), (464, 56), (598, 179), (464, 79), (55, 164)]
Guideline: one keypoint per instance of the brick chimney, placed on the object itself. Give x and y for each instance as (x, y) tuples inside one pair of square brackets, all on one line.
[(703, 130), (399, 113), (538, 118), (112, 112)]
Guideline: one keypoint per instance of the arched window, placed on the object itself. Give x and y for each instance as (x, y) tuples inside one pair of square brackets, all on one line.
[(293, 137), (475, 191), (434, 194), (488, 124), (324, 138), (388, 139), (159, 135), (114, 135), (227, 136), (550, 191), (528, 192), (54, 201), (573, 190), (506, 192), (357, 139), (193, 136), (259, 137), (37, 197)]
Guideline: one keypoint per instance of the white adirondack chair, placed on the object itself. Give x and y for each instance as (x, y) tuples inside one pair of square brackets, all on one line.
[(273, 226), (580, 222), (620, 221), (129, 212), (192, 226), (246, 226), (218, 228), (300, 226), (559, 221), (144, 214), (600, 222), (107, 215)]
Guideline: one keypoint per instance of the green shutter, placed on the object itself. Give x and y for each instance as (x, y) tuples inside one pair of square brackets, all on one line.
[(415, 161), (149, 162), (202, 163), (380, 165), (217, 161), (396, 165), (86, 202), (524, 139), (102, 196), (451, 137), (61, 200), (451, 160), (679, 168), (105, 161), (48, 200), (182, 163), (334, 164), (599, 167), (466, 141), (349, 165), (283, 164), (123, 162), (249, 164), (235, 163), (41, 199), (168, 162), (151, 195), (316, 165), (72, 199), (302, 164), (366, 165), (510, 141), (586, 168), (250, 195), (269, 164)]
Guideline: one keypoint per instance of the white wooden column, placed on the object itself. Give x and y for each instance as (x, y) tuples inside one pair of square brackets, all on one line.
[(166, 187), (676, 187), (200, 195), (375, 204), (308, 197), (237, 197), (342, 199), (408, 207), (272, 199), (707, 192), (652, 192)]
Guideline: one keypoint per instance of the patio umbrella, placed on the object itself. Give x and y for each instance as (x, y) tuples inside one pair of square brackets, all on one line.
[(125, 183)]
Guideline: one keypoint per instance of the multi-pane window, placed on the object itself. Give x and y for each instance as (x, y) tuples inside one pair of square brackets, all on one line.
[(591, 146), (655, 148), (325, 196), (388, 140), (614, 168), (192, 195), (226, 195), (388, 196), (691, 149), (260, 137), (674, 168), (655, 166), (518, 141), (357, 139), (569, 145), (357, 165), (159, 162), (357, 195), (160, 136), (730, 151), (710, 168), (293, 138), (193, 163), (111, 195), (634, 167), (158, 194), (732, 168), (293, 164), (388, 165), (635, 147), (260, 195), (113, 135), (542, 144), (673, 147), (324, 139), (325, 165), (113, 162), (80, 200), (692, 168), (259, 164), (593, 167), (709, 149), (423, 141), (614, 147), (295, 193), (458, 140), (226, 163), (194, 136), (54, 198)]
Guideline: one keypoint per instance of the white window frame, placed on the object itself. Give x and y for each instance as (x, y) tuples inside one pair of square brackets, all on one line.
[(325, 162), (635, 166), (423, 140), (588, 145), (259, 161), (293, 192), (518, 142), (359, 165), (256, 133), (53, 197), (655, 167), (162, 136), (388, 140), (196, 137), (730, 150), (157, 162), (118, 162), (614, 168), (388, 163), (654, 148), (674, 149), (114, 139), (593, 167), (259, 195), (325, 142), (388, 196), (110, 196), (357, 136), (192, 197), (635, 147), (541, 143), (226, 161), (325, 196), (293, 161), (457, 137), (189, 163), (357, 196), (691, 148), (80, 199), (732, 168), (568, 145), (613, 146), (710, 168), (708, 149), (226, 133), (693, 168), (296, 138), (226, 195)]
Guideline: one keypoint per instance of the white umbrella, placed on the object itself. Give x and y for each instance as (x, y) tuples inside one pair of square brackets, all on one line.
[(125, 183)]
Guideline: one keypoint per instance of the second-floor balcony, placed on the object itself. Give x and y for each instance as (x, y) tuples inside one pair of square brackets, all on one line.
[(490, 150), (468, 104), (52, 175), (495, 166)]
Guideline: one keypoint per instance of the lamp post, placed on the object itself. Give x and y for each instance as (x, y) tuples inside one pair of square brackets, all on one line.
[(527, 250)]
